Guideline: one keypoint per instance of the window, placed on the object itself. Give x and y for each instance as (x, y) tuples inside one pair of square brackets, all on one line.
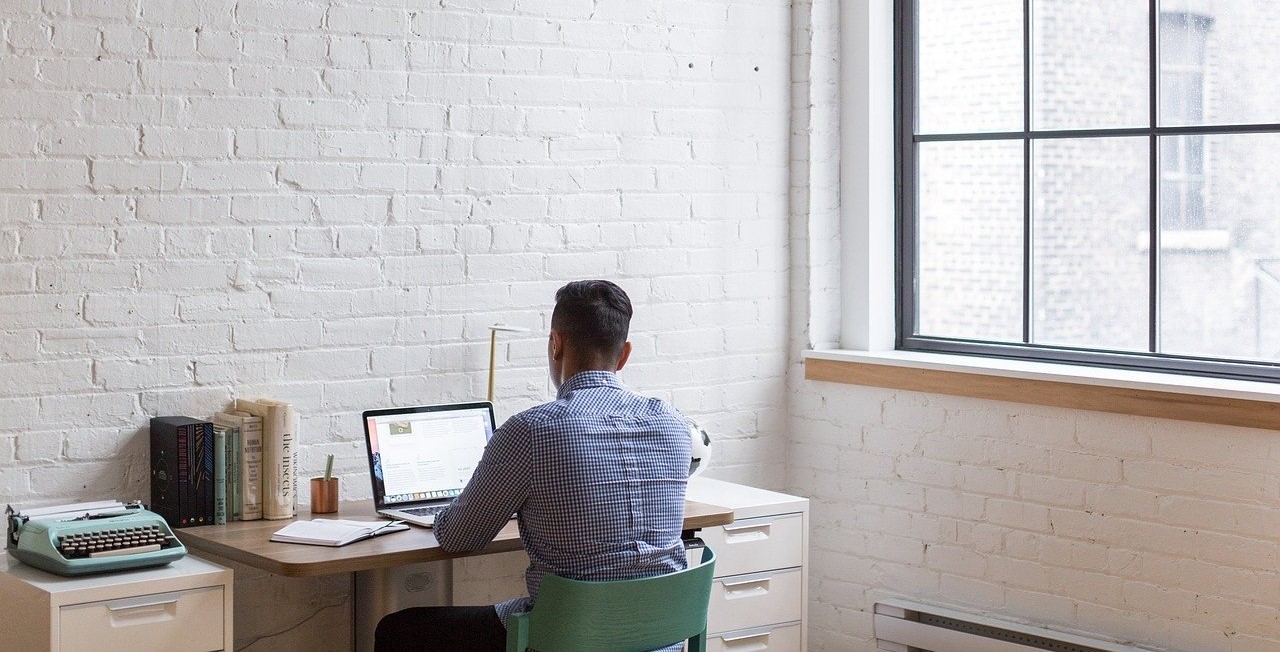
[(1092, 183), (1182, 95)]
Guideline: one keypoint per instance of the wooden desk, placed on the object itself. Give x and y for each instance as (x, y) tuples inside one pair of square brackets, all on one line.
[(248, 542), (378, 563)]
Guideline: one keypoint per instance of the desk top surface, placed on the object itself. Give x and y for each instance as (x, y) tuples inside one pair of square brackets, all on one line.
[(248, 542)]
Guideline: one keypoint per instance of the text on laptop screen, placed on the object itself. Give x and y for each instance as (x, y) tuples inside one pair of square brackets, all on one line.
[(426, 455)]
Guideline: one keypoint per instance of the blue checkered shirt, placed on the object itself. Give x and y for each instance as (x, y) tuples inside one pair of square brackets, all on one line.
[(596, 479)]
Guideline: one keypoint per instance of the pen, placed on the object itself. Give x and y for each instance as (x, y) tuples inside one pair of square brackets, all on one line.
[(374, 532)]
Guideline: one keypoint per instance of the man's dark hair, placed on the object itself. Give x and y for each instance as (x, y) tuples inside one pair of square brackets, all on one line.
[(593, 314)]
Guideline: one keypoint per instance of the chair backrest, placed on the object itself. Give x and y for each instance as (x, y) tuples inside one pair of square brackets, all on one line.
[(622, 615)]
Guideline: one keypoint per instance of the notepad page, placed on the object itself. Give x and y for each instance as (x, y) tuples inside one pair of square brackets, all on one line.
[(330, 532)]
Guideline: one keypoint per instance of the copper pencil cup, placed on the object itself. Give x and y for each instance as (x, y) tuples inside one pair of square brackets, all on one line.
[(324, 495)]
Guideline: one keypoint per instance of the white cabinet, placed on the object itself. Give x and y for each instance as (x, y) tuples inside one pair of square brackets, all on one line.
[(759, 598), (185, 606)]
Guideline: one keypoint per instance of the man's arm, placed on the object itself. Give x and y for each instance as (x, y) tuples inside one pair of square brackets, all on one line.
[(498, 487)]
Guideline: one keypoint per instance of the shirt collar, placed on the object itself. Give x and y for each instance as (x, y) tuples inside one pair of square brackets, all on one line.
[(587, 380)]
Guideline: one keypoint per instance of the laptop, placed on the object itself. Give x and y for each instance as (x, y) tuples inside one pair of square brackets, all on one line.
[(421, 457)]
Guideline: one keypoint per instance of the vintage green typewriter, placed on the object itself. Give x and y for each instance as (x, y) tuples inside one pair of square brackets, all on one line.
[(85, 538)]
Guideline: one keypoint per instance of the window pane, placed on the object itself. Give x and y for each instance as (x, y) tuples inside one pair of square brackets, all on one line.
[(1220, 61), (969, 253), (1181, 182), (1220, 284), (969, 67), (1090, 244), (1089, 64)]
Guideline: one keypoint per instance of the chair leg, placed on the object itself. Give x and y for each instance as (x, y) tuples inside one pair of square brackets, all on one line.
[(699, 642), (518, 633)]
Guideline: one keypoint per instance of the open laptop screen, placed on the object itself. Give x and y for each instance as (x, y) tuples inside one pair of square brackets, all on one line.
[(425, 453)]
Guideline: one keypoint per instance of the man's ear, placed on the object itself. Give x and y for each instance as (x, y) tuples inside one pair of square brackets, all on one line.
[(557, 345), (626, 353)]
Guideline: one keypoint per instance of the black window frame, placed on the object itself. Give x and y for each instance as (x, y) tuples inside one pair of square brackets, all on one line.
[(906, 180)]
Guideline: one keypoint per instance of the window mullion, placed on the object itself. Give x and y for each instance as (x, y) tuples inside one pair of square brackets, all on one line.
[(1026, 173), (1153, 178)]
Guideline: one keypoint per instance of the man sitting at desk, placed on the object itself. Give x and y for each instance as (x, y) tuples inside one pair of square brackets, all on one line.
[(595, 477)]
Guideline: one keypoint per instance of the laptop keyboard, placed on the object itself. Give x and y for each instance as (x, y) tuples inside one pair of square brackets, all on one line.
[(424, 511)]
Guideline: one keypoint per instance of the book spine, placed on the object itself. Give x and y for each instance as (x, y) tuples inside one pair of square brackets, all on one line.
[(164, 468), (219, 475), (251, 469), (288, 501), (234, 457), (184, 476), (205, 486), (278, 485)]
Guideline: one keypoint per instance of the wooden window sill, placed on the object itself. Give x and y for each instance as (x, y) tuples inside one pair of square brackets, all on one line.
[(1166, 396)]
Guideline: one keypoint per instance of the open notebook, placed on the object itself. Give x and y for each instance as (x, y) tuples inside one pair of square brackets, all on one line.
[(334, 532)]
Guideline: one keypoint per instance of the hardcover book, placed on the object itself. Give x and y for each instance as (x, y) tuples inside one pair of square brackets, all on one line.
[(182, 479), (235, 500), (219, 475), (250, 461)]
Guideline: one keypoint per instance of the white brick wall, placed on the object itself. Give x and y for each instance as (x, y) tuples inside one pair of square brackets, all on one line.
[(328, 202), (1157, 532), (225, 198)]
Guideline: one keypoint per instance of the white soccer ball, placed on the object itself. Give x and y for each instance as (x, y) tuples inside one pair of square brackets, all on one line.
[(700, 456)]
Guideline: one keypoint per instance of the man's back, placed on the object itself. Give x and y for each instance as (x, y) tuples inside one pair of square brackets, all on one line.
[(608, 483), (599, 476)]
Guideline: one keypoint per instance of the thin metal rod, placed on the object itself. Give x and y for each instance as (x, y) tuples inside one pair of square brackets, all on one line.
[(1044, 134), (493, 351), (905, 265), (1028, 241), (1153, 178)]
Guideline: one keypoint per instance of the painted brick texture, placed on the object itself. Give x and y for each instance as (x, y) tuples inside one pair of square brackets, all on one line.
[(329, 202), (1155, 532)]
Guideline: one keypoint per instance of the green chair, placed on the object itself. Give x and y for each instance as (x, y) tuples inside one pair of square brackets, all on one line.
[(618, 616)]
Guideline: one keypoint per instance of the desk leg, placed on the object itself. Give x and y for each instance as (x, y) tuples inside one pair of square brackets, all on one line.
[(386, 590)]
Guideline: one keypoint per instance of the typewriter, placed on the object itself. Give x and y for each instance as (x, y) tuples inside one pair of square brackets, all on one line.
[(85, 538)]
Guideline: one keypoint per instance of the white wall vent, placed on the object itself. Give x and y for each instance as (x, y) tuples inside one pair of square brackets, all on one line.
[(902, 626)]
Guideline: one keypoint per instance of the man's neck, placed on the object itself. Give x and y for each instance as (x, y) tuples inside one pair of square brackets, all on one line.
[(569, 371)]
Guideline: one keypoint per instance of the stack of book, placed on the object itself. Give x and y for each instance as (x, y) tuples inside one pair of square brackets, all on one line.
[(279, 456), (260, 478), (240, 466)]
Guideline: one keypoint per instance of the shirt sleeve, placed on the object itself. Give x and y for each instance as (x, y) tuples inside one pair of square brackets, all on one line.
[(498, 487)]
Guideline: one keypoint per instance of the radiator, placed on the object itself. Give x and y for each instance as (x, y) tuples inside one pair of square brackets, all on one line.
[(902, 626)]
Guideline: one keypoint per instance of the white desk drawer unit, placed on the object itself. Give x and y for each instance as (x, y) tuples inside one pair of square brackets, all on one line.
[(760, 592), (185, 606), (773, 637), (160, 622)]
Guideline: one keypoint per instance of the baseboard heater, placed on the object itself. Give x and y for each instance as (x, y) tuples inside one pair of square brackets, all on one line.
[(902, 626)]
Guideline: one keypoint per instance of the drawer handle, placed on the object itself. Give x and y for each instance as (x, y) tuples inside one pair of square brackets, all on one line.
[(143, 610), (745, 533), (746, 589), (747, 642), (139, 603)]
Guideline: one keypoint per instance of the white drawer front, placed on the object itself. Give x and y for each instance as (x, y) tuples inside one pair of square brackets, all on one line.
[(775, 638), (756, 544), (189, 620), (754, 600)]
